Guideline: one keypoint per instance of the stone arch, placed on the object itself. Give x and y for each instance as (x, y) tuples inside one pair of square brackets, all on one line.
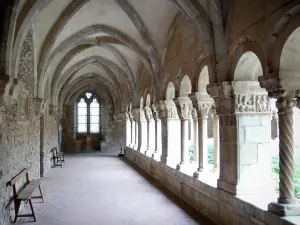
[(289, 66), (248, 67), (283, 29), (185, 86), (170, 92), (203, 80), (254, 56)]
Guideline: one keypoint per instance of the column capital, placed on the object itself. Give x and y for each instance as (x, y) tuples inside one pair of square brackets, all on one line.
[(286, 102), (168, 110), (148, 113), (184, 106), (155, 111)]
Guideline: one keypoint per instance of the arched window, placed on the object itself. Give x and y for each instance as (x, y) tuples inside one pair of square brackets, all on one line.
[(88, 114)]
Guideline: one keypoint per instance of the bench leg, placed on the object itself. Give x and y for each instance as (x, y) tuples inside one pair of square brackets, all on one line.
[(41, 193), (17, 208), (30, 203)]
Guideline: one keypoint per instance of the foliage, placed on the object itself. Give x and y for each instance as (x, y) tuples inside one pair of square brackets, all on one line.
[(275, 170), (210, 153)]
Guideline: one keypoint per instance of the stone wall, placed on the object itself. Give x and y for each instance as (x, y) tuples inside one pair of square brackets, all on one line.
[(20, 132), (50, 140), (220, 206)]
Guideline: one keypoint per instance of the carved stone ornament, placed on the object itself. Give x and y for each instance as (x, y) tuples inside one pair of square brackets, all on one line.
[(40, 106), (185, 110), (194, 114), (155, 112), (168, 110), (148, 113), (252, 103), (203, 110)]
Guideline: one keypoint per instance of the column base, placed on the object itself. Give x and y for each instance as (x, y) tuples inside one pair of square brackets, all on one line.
[(149, 153), (181, 166), (164, 159), (156, 156), (196, 174), (284, 209)]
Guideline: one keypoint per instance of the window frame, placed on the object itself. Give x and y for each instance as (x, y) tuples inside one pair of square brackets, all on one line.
[(88, 102)]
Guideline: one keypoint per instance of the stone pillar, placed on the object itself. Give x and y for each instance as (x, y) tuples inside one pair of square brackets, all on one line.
[(216, 139), (244, 114), (150, 131), (202, 103), (136, 128), (142, 130), (169, 133), (287, 203), (184, 107), (136, 134), (132, 128), (128, 129), (195, 134), (157, 150)]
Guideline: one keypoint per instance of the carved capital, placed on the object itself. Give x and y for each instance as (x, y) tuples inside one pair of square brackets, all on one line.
[(286, 104), (168, 110), (203, 110), (148, 113), (185, 106)]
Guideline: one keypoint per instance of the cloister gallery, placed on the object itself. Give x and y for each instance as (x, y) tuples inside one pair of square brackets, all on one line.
[(203, 96)]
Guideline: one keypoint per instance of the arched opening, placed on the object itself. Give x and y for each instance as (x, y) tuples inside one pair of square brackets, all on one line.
[(185, 87), (170, 93), (248, 67), (253, 113), (211, 150)]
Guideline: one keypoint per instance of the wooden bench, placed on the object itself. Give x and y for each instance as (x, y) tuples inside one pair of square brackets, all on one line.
[(25, 194), (58, 157)]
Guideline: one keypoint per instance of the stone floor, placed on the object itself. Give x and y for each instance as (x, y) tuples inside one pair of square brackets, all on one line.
[(95, 189)]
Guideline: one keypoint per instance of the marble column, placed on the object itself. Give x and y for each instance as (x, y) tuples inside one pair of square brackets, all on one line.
[(169, 135), (216, 135), (150, 131), (195, 134), (157, 149), (142, 131), (184, 106), (203, 111), (287, 204), (132, 120), (128, 129)]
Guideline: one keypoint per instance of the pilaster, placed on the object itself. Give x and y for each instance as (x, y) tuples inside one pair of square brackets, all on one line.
[(244, 111)]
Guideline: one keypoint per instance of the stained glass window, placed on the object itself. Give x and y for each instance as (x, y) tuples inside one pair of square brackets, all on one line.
[(88, 114)]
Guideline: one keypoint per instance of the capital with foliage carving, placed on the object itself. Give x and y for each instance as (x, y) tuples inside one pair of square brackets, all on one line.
[(148, 113)]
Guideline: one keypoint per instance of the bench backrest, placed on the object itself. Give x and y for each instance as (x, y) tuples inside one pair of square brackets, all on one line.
[(14, 180)]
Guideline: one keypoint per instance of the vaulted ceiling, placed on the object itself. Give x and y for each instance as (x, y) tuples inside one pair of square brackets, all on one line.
[(103, 42), (104, 39)]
